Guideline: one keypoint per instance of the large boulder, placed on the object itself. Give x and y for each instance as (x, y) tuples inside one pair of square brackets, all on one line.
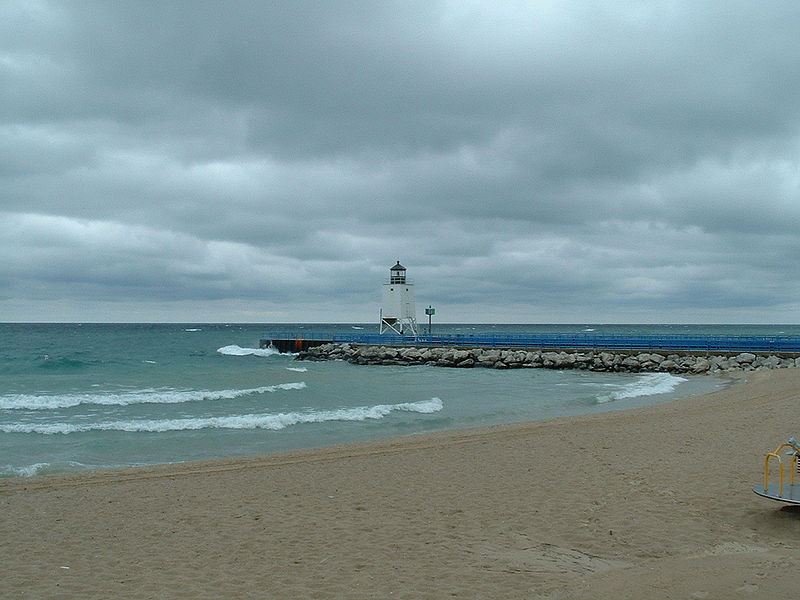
[(411, 354)]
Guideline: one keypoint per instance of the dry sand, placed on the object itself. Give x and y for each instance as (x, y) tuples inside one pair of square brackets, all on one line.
[(644, 504)]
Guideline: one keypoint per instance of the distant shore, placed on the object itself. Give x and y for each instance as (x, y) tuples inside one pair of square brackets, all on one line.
[(647, 503)]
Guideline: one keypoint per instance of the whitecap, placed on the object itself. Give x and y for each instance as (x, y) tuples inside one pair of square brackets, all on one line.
[(234, 350), (297, 369), (147, 396), (40, 468), (250, 421), (647, 384)]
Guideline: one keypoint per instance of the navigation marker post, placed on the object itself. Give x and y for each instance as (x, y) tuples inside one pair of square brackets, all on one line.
[(430, 311)]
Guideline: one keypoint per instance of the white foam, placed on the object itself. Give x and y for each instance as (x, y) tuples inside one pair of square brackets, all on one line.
[(26, 471), (251, 421), (193, 329), (297, 369), (41, 468), (647, 384), (149, 396), (234, 350)]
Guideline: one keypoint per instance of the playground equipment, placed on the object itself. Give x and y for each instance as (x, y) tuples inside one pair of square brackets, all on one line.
[(781, 490)]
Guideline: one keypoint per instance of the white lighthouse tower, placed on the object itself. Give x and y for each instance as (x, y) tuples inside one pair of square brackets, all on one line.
[(399, 313)]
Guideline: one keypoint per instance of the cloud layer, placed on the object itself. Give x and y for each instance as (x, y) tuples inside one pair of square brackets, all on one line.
[(535, 162)]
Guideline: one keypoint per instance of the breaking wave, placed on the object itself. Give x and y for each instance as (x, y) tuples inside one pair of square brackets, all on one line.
[(32, 402), (234, 350), (645, 385), (252, 421), (42, 468)]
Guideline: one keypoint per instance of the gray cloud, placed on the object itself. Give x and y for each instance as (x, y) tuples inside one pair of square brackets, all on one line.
[(248, 161)]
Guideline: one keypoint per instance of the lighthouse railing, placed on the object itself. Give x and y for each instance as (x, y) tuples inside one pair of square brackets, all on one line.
[(581, 341)]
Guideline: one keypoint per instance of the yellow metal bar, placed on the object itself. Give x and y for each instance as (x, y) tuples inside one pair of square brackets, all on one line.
[(781, 469), (766, 468), (780, 486)]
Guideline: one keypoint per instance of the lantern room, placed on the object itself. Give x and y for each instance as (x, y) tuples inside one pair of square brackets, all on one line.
[(397, 274)]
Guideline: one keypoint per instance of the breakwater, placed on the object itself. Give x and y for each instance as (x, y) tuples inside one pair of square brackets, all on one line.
[(299, 341), (602, 360)]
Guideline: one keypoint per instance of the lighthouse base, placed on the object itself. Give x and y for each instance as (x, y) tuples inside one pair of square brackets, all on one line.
[(392, 325)]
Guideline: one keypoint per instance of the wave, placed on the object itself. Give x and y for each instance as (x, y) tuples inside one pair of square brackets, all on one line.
[(297, 369), (252, 421), (31, 402), (234, 350), (51, 363), (645, 385), (42, 468)]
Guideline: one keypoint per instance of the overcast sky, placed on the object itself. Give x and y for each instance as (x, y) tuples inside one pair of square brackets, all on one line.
[(541, 161)]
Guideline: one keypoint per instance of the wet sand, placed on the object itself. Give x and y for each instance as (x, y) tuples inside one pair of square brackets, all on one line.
[(648, 503)]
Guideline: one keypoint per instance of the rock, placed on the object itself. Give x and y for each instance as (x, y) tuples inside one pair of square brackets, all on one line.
[(533, 357), (719, 362), (566, 360), (609, 359), (515, 359), (489, 356), (669, 366), (460, 355), (388, 352), (412, 354), (550, 359), (369, 352), (631, 362)]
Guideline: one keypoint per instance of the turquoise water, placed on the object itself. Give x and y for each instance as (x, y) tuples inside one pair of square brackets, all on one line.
[(76, 397)]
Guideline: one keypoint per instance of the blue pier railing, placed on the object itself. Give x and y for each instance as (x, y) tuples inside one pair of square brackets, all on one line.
[(788, 343)]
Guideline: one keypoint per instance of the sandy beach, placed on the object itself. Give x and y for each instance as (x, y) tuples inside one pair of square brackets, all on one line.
[(648, 503)]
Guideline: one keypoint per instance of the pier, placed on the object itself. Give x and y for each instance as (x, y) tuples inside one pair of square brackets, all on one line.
[(298, 342)]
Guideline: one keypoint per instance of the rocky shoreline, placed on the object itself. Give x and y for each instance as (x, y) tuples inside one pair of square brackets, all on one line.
[(590, 360)]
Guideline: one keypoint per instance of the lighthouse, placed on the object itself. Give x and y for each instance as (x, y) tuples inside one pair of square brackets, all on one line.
[(399, 313)]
